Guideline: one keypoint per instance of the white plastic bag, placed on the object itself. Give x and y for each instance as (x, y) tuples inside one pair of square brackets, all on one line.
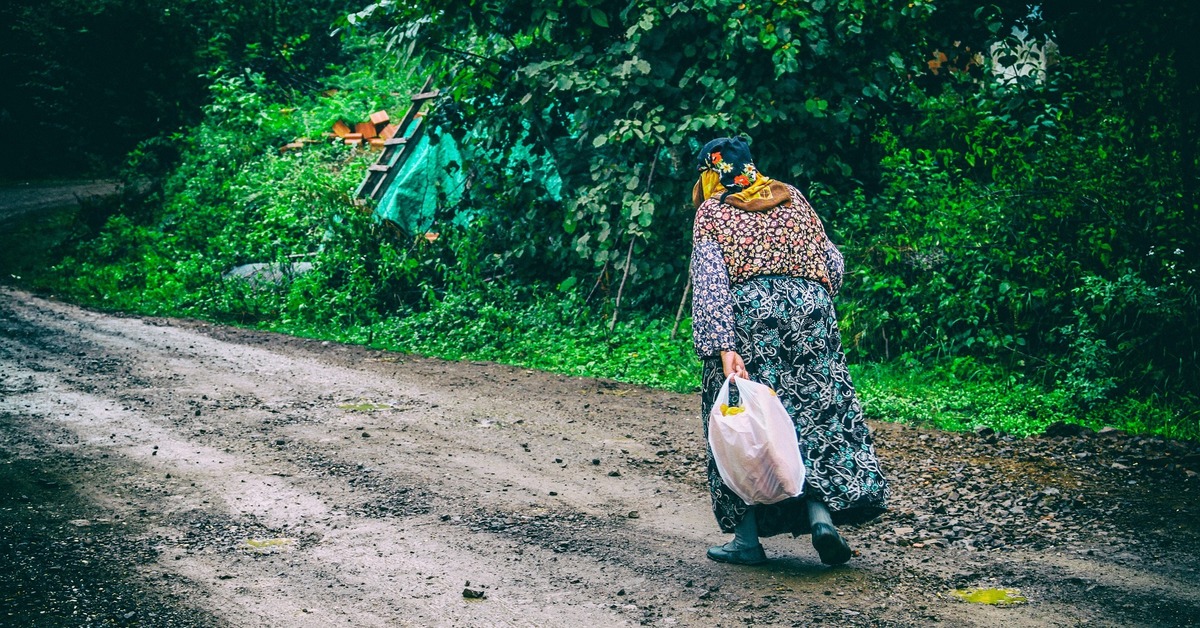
[(755, 445)]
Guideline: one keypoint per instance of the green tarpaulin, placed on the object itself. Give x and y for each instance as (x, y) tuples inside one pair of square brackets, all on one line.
[(431, 178), (430, 183)]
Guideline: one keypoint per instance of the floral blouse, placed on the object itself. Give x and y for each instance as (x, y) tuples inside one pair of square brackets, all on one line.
[(730, 246)]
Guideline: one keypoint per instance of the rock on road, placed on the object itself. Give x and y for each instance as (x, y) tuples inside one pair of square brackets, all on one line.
[(208, 475)]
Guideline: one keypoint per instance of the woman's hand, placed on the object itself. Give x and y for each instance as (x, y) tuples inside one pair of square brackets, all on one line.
[(733, 364)]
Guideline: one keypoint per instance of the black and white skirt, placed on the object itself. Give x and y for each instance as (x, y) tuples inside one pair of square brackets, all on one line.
[(787, 334)]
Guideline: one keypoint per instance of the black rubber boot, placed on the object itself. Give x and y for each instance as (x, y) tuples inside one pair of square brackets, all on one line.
[(730, 553), (744, 549), (830, 545), (825, 538)]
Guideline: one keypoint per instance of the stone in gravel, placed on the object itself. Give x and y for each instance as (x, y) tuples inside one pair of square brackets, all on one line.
[(474, 594), (614, 474), (366, 435), (633, 514), (1062, 428), (596, 461)]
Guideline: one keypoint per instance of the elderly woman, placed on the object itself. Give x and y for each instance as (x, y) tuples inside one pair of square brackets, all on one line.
[(764, 275)]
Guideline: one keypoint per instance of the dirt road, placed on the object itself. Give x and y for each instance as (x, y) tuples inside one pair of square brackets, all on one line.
[(18, 199), (164, 472)]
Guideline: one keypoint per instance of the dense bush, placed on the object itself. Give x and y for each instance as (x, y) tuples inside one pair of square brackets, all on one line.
[(1016, 225)]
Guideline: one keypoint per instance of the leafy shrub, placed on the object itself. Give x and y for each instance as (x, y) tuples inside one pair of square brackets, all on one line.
[(992, 238)]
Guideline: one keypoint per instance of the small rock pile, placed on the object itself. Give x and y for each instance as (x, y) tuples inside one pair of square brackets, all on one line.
[(987, 491)]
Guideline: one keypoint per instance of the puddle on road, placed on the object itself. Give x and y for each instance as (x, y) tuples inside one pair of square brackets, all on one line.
[(364, 407), (264, 546), (993, 597)]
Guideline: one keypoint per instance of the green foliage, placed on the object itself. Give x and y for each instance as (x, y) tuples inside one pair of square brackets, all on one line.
[(994, 237), (621, 95), (970, 220), (235, 199), (1019, 250)]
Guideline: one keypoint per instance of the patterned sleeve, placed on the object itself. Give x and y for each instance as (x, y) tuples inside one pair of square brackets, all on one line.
[(712, 302), (835, 264)]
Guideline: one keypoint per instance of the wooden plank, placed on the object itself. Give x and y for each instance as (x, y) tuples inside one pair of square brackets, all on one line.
[(366, 130), (341, 129), (412, 111), (377, 143), (353, 136), (396, 164), (380, 117), (394, 154), (401, 150), (359, 192)]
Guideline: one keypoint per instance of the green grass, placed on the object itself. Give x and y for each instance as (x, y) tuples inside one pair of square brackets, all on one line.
[(955, 398), (556, 334)]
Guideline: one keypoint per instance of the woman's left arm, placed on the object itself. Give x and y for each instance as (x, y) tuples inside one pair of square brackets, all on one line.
[(835, 265), (712, 302)]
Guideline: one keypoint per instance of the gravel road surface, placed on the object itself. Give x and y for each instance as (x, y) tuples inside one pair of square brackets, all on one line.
[(175, 473)]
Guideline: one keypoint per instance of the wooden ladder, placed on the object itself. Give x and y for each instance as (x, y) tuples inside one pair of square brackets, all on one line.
[(395, 151)]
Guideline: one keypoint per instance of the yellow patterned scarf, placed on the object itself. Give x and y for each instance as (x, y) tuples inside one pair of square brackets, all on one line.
[(762, 195)]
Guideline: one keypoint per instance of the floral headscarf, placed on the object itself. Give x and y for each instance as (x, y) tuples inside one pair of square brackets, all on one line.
[(729, 158), (726, 167)]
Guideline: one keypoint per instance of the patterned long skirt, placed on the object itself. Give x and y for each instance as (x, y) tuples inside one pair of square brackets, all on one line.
[(788, 336)]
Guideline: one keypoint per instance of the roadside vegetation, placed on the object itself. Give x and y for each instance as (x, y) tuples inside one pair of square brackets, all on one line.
[(1020, 238)]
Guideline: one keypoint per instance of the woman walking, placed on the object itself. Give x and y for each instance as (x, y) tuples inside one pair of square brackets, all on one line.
[(764, 274)]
